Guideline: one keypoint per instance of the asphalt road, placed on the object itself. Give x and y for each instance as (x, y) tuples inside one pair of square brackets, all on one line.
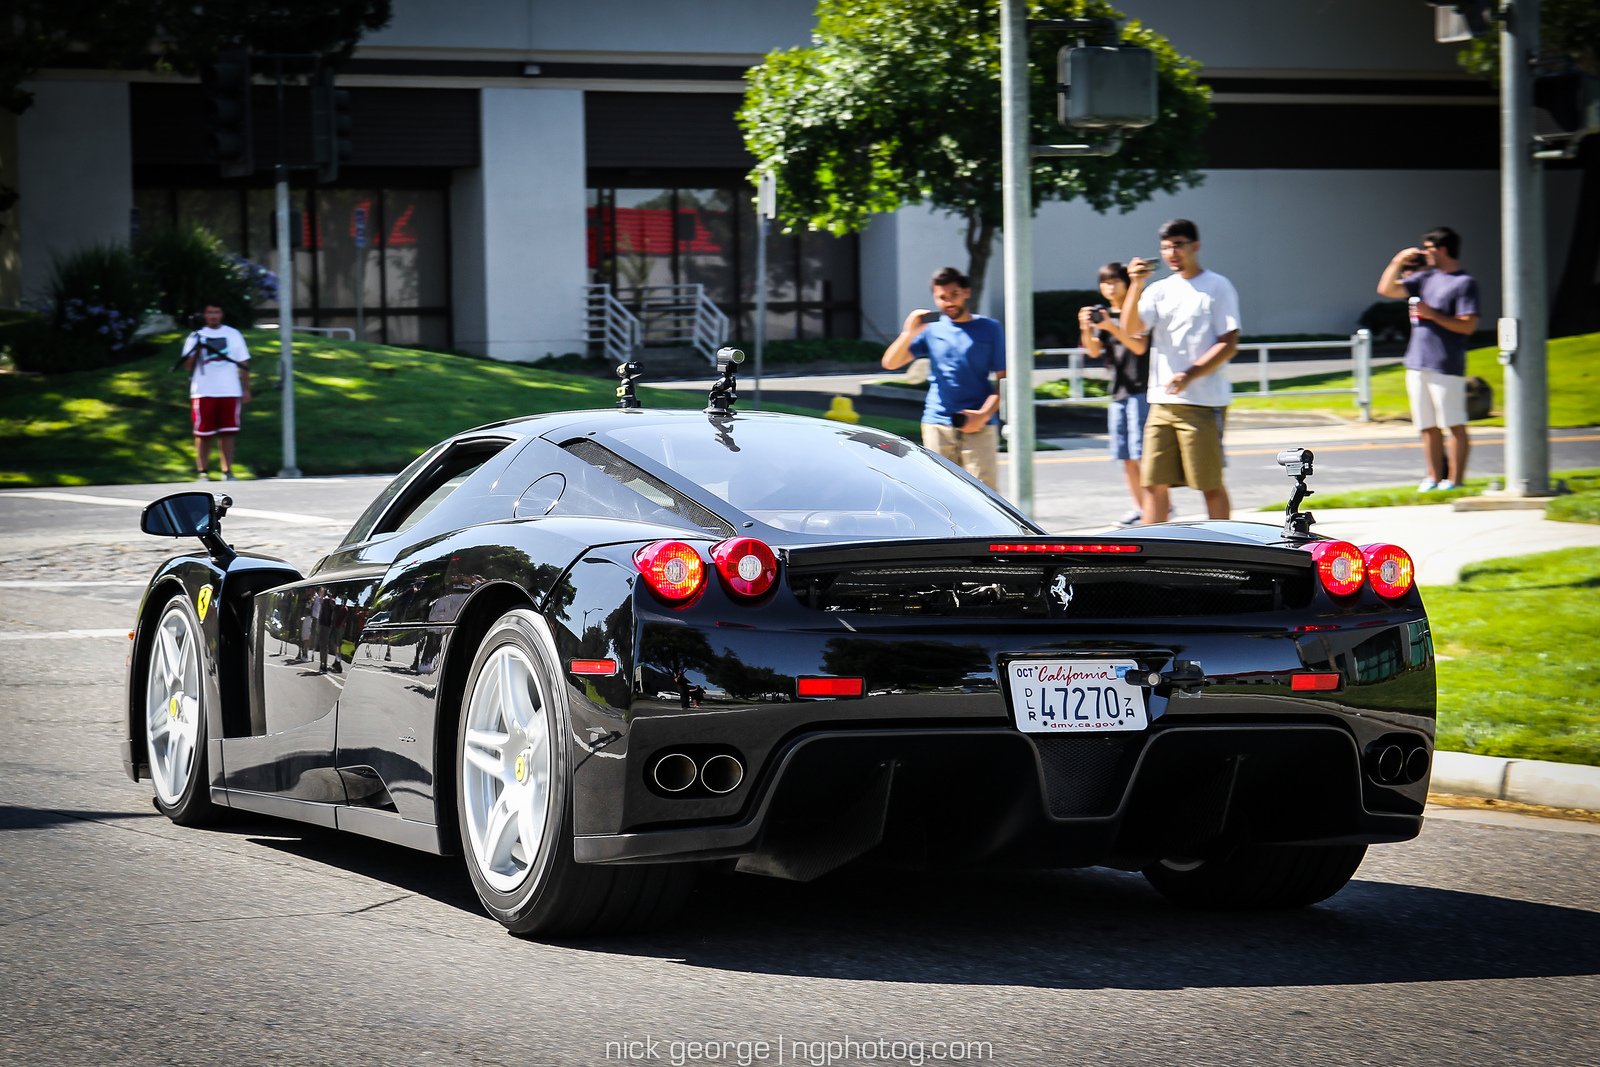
[(127, 940)]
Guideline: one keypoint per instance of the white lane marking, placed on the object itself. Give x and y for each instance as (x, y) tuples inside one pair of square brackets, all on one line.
[(61, 635), (293, 518)]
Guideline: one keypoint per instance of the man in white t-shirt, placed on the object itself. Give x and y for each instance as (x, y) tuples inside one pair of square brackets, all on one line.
[(219, 386), (1191, 318)]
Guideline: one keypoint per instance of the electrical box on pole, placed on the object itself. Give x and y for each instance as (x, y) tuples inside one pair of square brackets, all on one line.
[(1461, 20), (1106, 87), (330, 126), (226, 84)]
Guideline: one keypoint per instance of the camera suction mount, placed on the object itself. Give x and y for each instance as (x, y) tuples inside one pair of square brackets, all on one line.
[(1296, 463), (725, 390), (627, 399)]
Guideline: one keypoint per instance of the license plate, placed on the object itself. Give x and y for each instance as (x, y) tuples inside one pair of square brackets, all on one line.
[(1075, 696)]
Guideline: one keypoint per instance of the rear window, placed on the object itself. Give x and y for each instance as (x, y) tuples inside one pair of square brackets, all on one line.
[(808, 476)]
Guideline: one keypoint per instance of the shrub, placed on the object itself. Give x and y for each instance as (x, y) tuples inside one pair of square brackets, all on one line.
[(98, 297), (191, 268)]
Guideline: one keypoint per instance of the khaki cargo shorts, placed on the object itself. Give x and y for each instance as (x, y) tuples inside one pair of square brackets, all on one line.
[(1183, 446), (976, 453)]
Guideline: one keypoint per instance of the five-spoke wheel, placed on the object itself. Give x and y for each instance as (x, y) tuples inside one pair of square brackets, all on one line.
[(174, 719)]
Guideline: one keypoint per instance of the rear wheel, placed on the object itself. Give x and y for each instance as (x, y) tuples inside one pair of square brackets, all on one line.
[(175, 716), (1258, 877), (514, 800)]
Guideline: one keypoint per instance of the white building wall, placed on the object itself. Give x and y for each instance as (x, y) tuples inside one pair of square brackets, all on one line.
[(521, 251), (74, 173)]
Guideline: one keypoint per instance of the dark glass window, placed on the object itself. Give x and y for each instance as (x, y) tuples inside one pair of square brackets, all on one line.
[(652, 235)]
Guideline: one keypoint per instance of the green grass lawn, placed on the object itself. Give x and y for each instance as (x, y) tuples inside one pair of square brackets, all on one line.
[(1572, 369), (1580, 504), (1517, 672), (359, 409)]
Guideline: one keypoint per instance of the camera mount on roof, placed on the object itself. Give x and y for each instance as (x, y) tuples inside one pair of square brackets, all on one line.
[(725, 390), (1296, 463), (629, 373)]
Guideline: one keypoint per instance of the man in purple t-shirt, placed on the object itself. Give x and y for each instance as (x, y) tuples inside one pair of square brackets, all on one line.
[(1444, 313)]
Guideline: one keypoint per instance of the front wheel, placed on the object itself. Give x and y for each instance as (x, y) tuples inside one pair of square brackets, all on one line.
[(175, 716), (514, 800), (1258, 877)]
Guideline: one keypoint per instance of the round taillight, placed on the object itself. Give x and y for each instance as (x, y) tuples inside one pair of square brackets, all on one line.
[(1390, 571), (1339, 566), (673, 570), (747, 566)]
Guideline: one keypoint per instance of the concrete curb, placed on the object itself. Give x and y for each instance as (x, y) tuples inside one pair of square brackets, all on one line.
[(1526, 781)]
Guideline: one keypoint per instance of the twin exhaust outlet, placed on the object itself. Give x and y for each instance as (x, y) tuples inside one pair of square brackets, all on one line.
[(675, 772)]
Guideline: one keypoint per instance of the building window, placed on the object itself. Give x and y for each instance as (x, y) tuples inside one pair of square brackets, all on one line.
[(642, 236), (398, 284)]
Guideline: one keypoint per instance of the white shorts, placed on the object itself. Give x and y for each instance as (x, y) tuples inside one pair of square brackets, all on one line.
[(1438, 400)]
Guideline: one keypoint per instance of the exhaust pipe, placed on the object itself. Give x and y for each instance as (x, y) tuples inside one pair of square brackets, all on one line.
[(1388, 764), (1417, 765), (722, 774), (674, 772)]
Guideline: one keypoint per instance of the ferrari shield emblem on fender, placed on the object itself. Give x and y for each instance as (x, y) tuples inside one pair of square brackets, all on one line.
[(202, 602)]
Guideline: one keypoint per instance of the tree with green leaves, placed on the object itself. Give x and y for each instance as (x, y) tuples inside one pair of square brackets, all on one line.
[(897, 102), (1569, 32)]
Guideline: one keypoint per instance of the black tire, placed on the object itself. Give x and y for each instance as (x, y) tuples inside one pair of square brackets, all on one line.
[(1258, 877), (534, 886), (175, 716)]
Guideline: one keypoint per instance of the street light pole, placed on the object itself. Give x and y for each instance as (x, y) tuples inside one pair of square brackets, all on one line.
[(1017, 226), (1523, 330), (290, 467)]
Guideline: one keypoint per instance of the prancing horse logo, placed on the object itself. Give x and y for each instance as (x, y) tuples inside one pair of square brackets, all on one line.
[(1061, 592)]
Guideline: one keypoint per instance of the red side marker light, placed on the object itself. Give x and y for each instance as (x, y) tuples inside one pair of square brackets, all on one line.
[(673, 570), (1389, 570), (1340, 567), (602, 667), (1315, 683), (830, 687)]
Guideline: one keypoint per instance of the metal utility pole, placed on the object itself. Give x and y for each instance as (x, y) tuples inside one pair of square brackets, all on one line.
[(290, 467), (1523, 328), (1017, 225)]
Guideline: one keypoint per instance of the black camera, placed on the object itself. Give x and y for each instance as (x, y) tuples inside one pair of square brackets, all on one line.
[(1296, 462), (1098, 313)]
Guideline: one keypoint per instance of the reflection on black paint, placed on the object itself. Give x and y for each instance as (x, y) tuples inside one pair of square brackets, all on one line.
[(905, 664)]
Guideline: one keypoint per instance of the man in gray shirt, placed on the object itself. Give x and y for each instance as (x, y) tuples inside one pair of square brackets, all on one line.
[(1444, 313)]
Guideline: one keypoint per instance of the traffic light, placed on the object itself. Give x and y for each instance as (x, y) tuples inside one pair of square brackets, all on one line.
[(1106, 87), (226, 84), (330, 126), (1461, 20), (1567, 105)]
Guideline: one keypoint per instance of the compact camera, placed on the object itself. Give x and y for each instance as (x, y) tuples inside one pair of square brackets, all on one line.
[(1098, 313)]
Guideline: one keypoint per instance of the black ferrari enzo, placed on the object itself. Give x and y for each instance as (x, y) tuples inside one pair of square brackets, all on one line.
[(595, 651)]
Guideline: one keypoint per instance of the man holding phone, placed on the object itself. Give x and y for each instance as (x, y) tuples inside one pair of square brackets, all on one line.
[(960, 417), (1191, 318)]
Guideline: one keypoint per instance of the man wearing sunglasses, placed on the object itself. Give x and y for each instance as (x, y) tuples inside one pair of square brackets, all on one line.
[(1444, 314)]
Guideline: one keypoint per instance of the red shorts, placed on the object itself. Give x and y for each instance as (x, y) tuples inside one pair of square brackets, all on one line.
[(214, 415)]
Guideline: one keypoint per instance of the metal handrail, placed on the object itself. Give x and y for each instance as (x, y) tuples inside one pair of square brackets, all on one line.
[(347, 332), (1360, 346), (681, 314), (609, 324)]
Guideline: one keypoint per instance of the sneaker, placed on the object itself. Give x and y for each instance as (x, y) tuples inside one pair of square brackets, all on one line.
[(202, 476), (1427, 485), (227, 476), (1446, 485), (1132, 518)]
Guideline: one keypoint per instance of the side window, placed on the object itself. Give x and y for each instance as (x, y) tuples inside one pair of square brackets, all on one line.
[(436, 482)]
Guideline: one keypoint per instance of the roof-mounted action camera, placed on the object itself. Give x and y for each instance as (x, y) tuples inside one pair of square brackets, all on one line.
[(1296, 463), (725, 390)]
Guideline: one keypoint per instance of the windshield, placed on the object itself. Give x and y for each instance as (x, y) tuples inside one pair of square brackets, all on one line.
[(808, 476)]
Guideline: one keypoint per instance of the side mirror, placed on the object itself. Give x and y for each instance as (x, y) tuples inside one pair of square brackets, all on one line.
[(190, 515)]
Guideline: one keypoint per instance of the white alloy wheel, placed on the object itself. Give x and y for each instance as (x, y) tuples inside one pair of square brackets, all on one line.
[(506, 768), (172, 704)]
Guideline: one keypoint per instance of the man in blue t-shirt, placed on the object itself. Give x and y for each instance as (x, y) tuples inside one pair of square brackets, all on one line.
[(1444, 313), (959, 419)]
